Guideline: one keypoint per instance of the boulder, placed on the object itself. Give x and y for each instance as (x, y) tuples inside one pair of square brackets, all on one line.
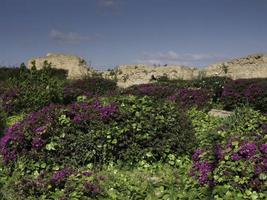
[(219, 113)]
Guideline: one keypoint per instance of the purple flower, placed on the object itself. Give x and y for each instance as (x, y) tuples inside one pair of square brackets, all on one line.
[(91, 187), (59, 176), (193, 97), (258, 169), (37, 143), (87, 173), (236, 157), (172, 98), (105, 111), (263, 148), (40, 129), (197, 153), (248, 150), (204, 169), (9, 142)]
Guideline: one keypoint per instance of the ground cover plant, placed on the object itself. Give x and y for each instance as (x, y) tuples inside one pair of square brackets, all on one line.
[(87, 139)]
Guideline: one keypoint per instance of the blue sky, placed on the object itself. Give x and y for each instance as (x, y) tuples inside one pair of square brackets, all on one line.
[(112, 32)]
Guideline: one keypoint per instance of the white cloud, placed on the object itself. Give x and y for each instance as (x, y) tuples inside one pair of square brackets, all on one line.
[(109, 7), (171, 57), (69, 37), (107, 3)]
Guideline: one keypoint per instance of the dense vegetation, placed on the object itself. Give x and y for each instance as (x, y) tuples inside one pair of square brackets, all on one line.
[(87, 139)]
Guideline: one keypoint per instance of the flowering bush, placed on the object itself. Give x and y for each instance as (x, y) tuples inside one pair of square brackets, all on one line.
[(129, 129), (187, 97), (157, 91), (214, 84), (41, 132), (31, 133), (48, 148), (88, 87), (248, 91), (237, 157)]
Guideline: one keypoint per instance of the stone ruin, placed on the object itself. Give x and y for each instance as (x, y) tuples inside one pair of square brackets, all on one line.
[(253, 66), (76, 66)]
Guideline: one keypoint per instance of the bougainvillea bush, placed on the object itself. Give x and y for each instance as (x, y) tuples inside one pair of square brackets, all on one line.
[(88, 87), (213, 84), (157, 91), (234, 166), (189, 97), (184, 97), (252, 92), (128, 129)]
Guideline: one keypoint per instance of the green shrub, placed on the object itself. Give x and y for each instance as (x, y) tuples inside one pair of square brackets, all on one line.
[(150, 130), (205, 126), (31, 90), (214, 84), (6, 73)]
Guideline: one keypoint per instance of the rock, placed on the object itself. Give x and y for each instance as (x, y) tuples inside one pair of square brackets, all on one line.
[(76, 66), (219, 113)]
